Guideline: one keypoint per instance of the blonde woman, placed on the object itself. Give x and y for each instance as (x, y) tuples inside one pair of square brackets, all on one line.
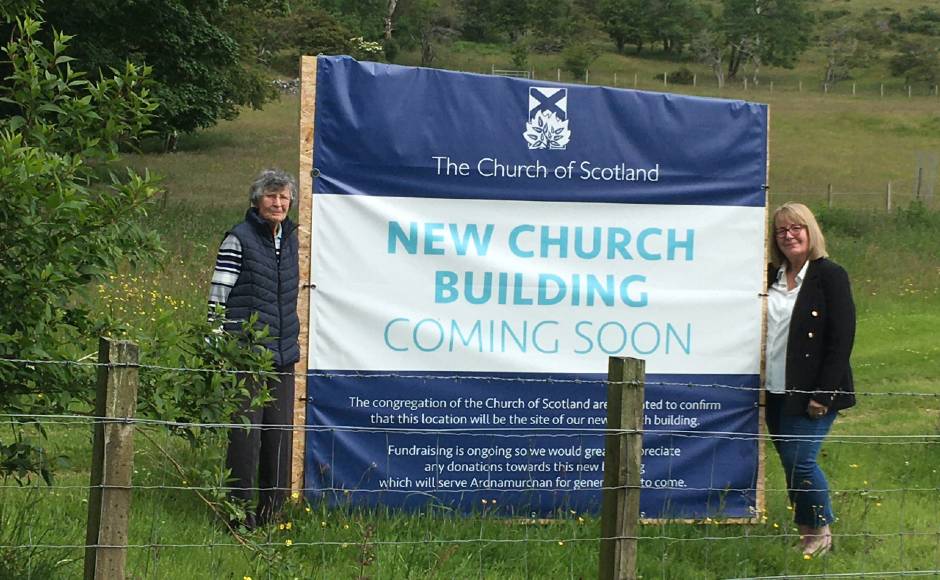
[(810, 333)]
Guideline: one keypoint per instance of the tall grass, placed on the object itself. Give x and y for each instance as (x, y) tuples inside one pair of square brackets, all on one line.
[(885, 490)]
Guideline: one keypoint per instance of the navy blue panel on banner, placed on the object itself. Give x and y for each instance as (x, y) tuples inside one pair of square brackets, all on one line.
[(529, 444), (654, 147)]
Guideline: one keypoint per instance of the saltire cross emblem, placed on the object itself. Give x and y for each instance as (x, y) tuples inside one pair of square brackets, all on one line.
[(547, 127), (548, 99)]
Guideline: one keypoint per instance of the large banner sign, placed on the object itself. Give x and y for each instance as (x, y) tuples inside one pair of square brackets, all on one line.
[(480, 247)]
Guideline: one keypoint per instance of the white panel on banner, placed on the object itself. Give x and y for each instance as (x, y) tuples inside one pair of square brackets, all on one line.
[(514, 286)]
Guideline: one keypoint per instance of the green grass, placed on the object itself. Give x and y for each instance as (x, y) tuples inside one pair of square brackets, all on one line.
[(856, 144)]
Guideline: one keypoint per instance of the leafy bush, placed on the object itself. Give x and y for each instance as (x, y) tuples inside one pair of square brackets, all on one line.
[(683, 76), (519, 51), (577, 58), (70, 221)]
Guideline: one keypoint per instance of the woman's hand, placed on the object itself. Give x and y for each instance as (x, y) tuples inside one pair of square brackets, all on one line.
[(816, 410)]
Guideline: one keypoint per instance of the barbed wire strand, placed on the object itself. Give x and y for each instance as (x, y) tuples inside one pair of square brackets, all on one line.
[(453, 377), (516, 432), (460, 541), (468, 490)]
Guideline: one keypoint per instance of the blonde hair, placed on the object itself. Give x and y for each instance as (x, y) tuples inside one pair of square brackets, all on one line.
[(797, 213)]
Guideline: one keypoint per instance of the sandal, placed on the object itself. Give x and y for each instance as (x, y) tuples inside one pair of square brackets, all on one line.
[(819, 548)]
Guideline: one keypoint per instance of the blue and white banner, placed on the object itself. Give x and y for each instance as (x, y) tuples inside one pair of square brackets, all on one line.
[(480, 247)]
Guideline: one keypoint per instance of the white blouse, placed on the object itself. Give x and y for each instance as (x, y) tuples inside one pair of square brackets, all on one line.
[(779, 311)]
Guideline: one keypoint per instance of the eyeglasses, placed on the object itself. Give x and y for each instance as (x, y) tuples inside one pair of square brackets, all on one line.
[(794, 230)]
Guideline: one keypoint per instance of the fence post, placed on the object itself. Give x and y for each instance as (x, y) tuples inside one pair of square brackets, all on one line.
[(558, 71), (620, 511), (888, 197), (109, 497), (829, 195), (636, 77), (615, 79)]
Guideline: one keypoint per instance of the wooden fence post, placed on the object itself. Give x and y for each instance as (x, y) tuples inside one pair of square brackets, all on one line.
[(109, 497), (829, 195), (888, 197), (620, 511)]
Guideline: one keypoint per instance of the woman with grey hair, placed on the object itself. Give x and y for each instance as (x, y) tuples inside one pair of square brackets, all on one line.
[(256, 271)]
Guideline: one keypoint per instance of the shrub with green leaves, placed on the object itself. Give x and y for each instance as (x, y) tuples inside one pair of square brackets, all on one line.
[(71, 218), (68, 217)]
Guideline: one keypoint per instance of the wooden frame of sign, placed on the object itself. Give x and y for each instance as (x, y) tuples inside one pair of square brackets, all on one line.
[(308, 105), (308, 100)]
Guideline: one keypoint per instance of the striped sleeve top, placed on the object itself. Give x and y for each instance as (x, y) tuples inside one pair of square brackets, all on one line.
[(228, 266)]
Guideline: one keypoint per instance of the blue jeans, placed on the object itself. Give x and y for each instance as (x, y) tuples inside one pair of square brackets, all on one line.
[(797, 439)]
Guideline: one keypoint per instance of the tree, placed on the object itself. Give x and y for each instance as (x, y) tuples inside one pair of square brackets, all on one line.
[(424, 24), (366, 18), (917, 61), (68, 220), (773, 32), (198, 74), (710, 48), (674, 22), (625, 21), (849, 44), (581, 49), (493, 20)]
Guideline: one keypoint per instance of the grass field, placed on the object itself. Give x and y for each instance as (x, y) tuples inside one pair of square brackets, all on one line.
[(886, 489)]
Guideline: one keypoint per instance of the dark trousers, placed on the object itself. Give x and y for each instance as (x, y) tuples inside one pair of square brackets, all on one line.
[(262, 452)]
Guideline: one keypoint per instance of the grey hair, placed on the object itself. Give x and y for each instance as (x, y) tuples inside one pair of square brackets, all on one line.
[(272, 180)]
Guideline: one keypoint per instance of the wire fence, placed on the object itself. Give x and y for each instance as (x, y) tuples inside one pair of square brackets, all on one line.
[(684, 80), (883, 480)]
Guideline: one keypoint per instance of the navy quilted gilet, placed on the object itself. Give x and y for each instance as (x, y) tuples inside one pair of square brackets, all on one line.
[(268, 285)]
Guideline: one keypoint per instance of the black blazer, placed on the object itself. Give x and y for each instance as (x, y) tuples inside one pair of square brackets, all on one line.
[(822, 333)]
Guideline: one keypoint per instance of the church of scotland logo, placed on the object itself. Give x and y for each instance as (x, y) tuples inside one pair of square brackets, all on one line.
[(547, 127)]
